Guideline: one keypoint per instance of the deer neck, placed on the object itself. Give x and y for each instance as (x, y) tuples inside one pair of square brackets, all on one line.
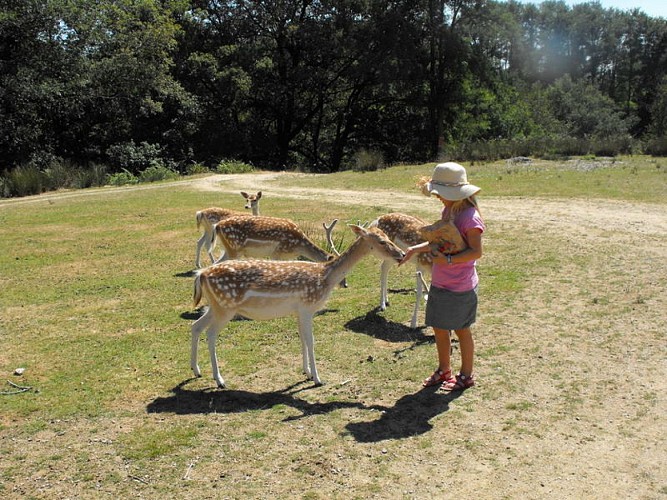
[(314, 252), (338, 268)]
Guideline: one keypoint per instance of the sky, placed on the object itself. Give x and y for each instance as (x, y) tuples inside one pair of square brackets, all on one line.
[(653, 8)]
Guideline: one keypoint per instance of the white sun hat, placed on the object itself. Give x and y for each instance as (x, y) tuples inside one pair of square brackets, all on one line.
[(450, 181)]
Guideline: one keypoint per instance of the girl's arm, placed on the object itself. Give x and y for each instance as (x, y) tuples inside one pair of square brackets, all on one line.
[(416, 249), (473, 252)]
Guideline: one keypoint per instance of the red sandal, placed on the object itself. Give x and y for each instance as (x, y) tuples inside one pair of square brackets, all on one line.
[(460, 383), (438, 377)]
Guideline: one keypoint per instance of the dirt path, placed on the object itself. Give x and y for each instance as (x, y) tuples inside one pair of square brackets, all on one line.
[(600, 216), (593, 217)]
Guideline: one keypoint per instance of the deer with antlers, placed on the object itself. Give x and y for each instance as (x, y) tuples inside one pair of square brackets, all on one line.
[(273, 237), (405, 231), (209, 217), (266, 289)]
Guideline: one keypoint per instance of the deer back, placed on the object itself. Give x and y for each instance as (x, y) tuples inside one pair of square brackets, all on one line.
[(281, 237), (212, 215), (444, 234), (402, 229), (231, 283)]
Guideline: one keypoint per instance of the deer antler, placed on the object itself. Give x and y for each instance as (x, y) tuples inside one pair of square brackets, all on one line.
[(329, 230)]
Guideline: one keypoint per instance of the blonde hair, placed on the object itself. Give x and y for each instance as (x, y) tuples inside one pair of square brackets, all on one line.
[(461, 205), (421, 183), (458, 206)]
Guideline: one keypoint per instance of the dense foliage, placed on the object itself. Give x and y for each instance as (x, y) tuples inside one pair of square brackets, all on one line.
[(164, 84)]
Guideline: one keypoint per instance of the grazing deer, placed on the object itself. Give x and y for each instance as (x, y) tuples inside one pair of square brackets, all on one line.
[(272, 237), (208, 217), (267, 289)]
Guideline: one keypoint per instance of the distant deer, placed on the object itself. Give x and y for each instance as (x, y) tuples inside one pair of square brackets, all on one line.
[(208, 217), (267, 289)]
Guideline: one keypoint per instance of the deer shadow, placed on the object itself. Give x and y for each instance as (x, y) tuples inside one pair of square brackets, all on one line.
[(410, 416), (377, 326), (186, 274), (184, 401)]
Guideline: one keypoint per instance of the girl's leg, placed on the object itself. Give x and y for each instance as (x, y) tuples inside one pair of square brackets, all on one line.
[(467, 347), (443, 344)]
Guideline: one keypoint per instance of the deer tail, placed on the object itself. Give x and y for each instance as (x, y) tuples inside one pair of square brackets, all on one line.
[(197, 290), (199, 216)]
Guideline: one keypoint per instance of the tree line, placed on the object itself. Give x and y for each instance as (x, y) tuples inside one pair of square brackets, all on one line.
[(320, 85)]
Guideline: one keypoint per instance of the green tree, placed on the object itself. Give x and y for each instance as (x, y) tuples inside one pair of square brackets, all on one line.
[(585, 111)]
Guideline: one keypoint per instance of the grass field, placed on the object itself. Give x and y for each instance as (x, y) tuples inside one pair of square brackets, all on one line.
[(96, 308)]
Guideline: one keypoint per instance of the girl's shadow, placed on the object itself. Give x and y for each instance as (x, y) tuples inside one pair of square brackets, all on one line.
[(410, 416)]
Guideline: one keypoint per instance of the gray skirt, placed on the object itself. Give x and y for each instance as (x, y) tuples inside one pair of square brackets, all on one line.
[(449, 310)]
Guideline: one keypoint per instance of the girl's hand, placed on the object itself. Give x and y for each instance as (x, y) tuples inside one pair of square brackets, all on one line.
[(421, 247), (408, 255)]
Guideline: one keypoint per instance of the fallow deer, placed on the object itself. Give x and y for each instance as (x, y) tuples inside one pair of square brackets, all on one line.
[(208, 217), (273, 237), (405, 231), (266, 289)]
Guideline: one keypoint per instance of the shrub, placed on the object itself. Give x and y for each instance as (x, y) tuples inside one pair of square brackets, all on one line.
[(25, 180), (612, 146), (196, 168), (233, 167), (157, 172), (134, 157), (122, 178), (60, 173), (368, 160), (657, 146), (95, 175)]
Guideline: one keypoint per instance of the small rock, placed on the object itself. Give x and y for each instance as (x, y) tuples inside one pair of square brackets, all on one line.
[(19, 371)]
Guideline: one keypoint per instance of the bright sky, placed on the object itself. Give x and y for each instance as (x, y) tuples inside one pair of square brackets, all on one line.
[(653, 8)]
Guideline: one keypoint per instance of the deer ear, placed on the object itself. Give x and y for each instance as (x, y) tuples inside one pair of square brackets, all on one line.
[(244, 194), (259, 194), (358, 230)]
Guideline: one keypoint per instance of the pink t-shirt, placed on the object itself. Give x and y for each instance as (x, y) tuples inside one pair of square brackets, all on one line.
[(460, 277)]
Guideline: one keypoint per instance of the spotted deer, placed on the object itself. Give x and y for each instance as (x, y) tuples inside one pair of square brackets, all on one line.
[(273, 237), (407, 230), (403, 230), (208, 217), (268, 289)]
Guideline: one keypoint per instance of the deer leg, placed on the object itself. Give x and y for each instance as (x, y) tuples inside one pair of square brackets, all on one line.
[(200, 244), (308, 346), (198, 327), (305, 363), (384, 273), (224, 256), (424, 284), (418, 299), (216, 325)]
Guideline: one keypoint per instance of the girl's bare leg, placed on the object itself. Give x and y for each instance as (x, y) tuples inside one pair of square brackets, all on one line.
[(467, 347), (443, 344)]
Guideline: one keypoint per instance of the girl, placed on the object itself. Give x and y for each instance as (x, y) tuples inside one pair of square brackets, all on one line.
[(452, 300)]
